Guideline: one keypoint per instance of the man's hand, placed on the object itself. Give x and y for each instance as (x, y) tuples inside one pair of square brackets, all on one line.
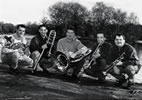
[(20, 51), (71, 54), (44, 46), (97, 55), (116, 70), (119, 63)]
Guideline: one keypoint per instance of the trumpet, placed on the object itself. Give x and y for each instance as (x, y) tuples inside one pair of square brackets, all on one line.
[(92, 59), (113, 64), (50, 43)]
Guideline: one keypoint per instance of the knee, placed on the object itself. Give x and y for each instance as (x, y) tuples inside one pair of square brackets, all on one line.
[(35, 54), (14, 55), (30, 62), (130, 69)]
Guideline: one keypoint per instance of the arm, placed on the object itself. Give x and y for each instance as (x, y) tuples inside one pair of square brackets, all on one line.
[(132, 58), (80, 48), (7, 50), (59, 46), (34, 45)]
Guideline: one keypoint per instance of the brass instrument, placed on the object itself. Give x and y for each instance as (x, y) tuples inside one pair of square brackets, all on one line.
[(80, 57), (113, 64), (50, 43), (18, 45), (92, 59), (63, 62)]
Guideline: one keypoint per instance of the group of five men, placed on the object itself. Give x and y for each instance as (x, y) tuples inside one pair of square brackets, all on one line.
[(105, 54)]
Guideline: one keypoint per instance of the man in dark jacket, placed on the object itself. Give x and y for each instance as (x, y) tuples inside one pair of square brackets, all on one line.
[(125, 69), (101, 54), (38, 43)]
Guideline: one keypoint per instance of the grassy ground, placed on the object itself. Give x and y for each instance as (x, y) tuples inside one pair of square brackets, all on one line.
[(58, 87)]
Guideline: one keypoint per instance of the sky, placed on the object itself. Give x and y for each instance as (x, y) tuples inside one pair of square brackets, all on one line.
[(23, 11)]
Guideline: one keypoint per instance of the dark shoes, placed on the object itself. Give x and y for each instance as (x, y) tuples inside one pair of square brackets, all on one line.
[(14, 71), (124, 83), (89, 72), (44, 69), (101, 79)]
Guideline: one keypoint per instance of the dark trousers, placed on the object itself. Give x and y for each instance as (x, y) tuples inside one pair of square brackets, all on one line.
[(77, 67), (97, 69)]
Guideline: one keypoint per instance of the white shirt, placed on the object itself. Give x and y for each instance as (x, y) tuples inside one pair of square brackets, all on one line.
[(17, 39)]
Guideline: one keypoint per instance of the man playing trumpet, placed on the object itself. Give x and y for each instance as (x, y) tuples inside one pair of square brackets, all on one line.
[(99, 56), (72, 47), (125, 69)]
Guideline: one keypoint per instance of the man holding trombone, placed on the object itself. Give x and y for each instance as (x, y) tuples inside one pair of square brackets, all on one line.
[(41, 47)]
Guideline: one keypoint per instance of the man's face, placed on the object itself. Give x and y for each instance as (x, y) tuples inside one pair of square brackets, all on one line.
[(20, 31), (70, 34), (43, 31), (119, 41), (100, 38)]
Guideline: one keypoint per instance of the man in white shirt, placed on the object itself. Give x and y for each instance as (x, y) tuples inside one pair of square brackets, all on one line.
[(72, 47), (14, 54)]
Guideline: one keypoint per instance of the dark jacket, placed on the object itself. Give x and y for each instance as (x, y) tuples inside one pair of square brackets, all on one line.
[(36, 44), (104, 50), (130, 56)]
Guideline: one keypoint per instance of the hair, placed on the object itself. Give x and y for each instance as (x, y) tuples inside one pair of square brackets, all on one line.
[(101, 33), (20, 25), (119, 34), (43, 25)]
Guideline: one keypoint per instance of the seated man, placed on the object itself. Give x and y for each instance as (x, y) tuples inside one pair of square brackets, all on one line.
[(71, 47), (38, 43), (14, 55), (125, 69), (101, 52)]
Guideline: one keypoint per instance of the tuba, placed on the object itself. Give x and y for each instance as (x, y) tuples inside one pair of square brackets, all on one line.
[(63, 62), (50, 43)]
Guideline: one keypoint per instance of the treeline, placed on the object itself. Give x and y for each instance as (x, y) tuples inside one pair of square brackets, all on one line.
[(86, 23)]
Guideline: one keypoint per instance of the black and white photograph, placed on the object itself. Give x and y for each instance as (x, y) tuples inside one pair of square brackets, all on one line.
[(70, 50)]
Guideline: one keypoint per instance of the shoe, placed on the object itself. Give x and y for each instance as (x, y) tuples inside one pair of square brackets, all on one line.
[(101, 80), (74, 78), (89, 72), (120, 82), (45, 71), (14, 71), (130, 83)]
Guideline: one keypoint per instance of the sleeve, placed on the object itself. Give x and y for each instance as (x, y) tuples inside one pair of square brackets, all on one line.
[(24, 41), (33, 45), (59, 46), (79, 45), (132, 57), (5, 50)]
